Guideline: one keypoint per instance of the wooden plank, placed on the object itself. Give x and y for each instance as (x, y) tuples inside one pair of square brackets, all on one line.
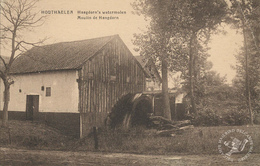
[(100, 94), (97, 68)]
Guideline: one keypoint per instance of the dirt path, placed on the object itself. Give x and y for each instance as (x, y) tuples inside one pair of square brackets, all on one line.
[(61, 158)]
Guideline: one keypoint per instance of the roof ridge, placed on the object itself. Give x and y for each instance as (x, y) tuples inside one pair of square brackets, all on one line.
[(74, 41)]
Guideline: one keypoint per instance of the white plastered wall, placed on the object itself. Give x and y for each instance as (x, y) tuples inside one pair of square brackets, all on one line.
[(64, 91)]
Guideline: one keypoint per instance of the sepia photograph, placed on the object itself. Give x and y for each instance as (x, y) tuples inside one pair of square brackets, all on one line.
[(133, 82)]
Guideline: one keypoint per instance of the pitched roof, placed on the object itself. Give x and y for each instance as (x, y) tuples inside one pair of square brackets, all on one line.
[(146, 62), (142, 60), (59, 56)]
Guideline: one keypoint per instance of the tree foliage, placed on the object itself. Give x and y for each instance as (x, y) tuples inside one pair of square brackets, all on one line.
[(246, 16), (186, 26)]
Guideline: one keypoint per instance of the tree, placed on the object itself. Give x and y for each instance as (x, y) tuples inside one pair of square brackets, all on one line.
[(17, 16), (246, 15), (186, 25), (203, 18), (154, 43)]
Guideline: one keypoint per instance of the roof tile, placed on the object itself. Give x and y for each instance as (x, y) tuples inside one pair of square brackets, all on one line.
[(59, 56)]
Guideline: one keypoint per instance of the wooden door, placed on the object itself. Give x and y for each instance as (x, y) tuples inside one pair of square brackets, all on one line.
[(32, 107)]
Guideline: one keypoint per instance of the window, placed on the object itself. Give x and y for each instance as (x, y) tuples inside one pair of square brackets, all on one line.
[(48, 91)]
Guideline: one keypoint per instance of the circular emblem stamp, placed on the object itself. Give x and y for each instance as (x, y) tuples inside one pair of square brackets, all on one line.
[(235, 145)]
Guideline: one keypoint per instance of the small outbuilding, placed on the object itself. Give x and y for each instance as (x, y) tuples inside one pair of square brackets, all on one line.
[(153, 80)]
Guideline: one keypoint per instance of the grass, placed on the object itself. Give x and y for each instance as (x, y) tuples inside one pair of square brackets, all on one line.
[(200, 140), (32, 135)]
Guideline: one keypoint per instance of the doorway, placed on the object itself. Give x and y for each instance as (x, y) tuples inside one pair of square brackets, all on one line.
[(32, 107)]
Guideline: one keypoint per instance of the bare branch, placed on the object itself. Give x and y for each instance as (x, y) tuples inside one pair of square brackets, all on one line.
[(5, 28), (35, 44), (4, 13), (24, 48), (29, 6), (20, 44), (2, 59), (9, 7), (19, 14), (28, 21), (17, 56)]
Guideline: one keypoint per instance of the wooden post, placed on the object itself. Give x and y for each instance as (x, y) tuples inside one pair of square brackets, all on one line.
[(153, 98), (175, 109), (9, 134), (95, 137)]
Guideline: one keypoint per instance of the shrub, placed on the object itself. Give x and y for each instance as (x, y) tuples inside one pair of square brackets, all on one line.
[(231, 116), (206, 117), (236, 117), (257, 118)]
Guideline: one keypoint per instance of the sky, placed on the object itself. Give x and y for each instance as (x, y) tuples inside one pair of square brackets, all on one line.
[(68, 27), (224, 47)]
